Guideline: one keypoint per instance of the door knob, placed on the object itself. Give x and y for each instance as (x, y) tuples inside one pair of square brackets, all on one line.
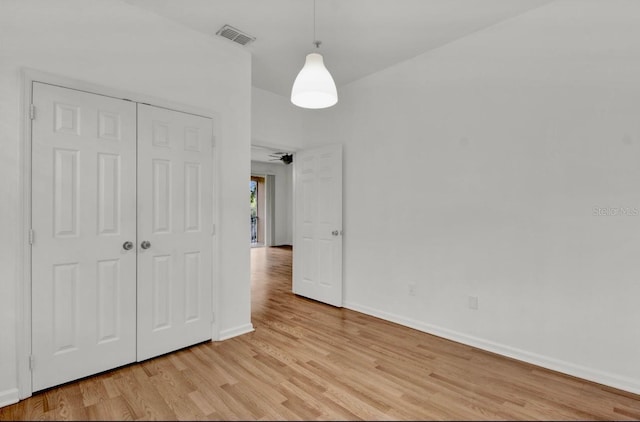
[(127, 246), (335, 232), (145, 244)]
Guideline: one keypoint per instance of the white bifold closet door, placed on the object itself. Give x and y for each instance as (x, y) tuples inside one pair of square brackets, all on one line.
[(106, 178)]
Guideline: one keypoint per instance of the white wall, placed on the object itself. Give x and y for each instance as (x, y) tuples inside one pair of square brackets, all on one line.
[(475, 169), (283, 202), (276, 122), (116, 45)]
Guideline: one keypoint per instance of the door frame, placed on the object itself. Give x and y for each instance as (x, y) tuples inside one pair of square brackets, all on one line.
[(23, 246), (271, 235)]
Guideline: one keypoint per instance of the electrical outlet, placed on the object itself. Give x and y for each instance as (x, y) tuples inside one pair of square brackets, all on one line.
[(473, 302), (412, 289)]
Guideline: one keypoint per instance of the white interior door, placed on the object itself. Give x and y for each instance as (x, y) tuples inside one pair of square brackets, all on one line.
[(83, 212), (175, 217), (317, 245)]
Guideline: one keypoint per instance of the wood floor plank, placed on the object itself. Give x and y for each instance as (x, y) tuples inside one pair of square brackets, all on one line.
[(116, 409), (67, 402), (310, 361), (311, 394), (226, 407), (93, 391)]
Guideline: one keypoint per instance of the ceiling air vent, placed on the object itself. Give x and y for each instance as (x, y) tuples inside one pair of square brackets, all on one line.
[(235, 35)]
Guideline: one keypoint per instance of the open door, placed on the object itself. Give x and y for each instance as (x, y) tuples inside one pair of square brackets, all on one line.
[(317, 243)]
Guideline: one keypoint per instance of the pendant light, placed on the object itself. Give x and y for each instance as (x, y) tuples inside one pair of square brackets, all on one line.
[(314, 87)]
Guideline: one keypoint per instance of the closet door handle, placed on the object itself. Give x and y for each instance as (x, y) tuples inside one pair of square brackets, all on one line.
[(145, 244), (127, 246)]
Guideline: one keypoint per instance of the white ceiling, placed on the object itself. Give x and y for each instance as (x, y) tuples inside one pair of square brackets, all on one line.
[(359, 37)]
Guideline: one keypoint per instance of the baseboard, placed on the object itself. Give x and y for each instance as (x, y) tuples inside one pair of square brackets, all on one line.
[(612, 380), (9, 397), (236, 331)]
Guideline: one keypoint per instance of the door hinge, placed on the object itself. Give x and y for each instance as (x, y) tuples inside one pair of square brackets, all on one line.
[(32, 111), (31, 237), (213, 317), (32, 362), (213, 141), (213, 230)]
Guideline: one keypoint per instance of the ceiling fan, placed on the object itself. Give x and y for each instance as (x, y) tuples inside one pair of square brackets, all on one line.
[(285, 157)]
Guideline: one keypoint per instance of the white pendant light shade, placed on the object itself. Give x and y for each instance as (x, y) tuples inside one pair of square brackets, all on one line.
[(314, 87)]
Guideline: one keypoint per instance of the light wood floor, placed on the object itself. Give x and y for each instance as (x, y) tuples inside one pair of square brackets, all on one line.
[(310, 361)]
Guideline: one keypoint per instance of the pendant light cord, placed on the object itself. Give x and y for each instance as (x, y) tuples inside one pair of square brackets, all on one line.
[(315, 40)]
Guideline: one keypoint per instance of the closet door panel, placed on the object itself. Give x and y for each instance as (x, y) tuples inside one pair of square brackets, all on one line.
[(175, 219), (83, 212)]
